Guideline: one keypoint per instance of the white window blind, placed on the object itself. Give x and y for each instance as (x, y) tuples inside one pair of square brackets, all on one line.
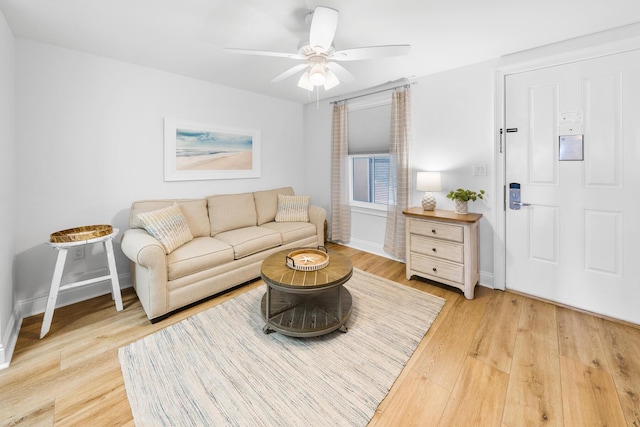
[(369, 129), (370, 179)]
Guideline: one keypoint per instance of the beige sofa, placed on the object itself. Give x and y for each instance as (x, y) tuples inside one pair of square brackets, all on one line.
[(232, 234)]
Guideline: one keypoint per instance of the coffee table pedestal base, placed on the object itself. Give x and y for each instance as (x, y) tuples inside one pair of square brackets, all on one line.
[(306, 314)]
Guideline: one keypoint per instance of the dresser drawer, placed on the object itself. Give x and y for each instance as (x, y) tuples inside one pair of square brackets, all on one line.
[(438, 230), (437, 269), (437, 248)]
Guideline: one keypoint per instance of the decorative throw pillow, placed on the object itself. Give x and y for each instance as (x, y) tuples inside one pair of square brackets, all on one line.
[(168, 225), (292, 208)]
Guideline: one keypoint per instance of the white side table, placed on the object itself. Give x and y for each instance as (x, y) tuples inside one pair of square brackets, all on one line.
[(63, 249)]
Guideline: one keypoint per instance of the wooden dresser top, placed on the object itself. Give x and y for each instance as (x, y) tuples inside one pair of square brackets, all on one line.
[(418, 212)]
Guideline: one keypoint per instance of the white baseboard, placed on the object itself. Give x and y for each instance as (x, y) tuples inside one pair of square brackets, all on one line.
[(9, 338), (37, 305), (486, 280), (371, 247)]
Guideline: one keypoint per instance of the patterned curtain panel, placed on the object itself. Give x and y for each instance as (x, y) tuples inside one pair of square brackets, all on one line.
[(399, 176), (340, 223)]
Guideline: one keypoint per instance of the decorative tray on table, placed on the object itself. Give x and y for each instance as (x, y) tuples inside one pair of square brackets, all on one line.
[(80, 234), (307, 259)]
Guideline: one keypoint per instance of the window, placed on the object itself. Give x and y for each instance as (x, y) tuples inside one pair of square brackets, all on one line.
[(369, 180), (369, 130)]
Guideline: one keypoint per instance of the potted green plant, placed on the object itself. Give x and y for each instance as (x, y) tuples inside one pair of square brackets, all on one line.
[(461, 197)]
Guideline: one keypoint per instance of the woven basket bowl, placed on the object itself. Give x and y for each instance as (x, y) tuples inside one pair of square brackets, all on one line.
[(79, 234)]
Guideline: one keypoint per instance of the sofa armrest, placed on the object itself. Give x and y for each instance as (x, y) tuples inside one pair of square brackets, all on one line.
[(150, 276), (318, 217), (143, 249)]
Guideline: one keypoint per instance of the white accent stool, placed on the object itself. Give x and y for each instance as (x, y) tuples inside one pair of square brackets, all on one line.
[(63, 249)]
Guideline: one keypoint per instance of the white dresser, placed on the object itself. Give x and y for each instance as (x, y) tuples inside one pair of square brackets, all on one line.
[(443, 246)]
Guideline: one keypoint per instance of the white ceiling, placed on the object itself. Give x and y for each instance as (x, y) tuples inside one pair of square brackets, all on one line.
[(188, 36)]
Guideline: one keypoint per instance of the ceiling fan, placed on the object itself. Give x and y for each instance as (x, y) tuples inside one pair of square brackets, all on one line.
[(319, 54)]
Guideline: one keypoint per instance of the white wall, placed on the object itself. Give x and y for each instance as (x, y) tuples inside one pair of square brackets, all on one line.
[(317, 129), (453, 122), (453, 130), (8, 323), (90, 141)]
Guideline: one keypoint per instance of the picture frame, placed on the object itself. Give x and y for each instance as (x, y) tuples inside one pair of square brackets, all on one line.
[(200, 151)]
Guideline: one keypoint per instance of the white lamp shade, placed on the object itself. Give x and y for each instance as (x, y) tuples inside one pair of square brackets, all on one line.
[(429, 181)]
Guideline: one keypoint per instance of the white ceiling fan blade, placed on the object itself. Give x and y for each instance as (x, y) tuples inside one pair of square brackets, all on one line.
[(342, 73), (290, 72), (371, 52), (331, 80), (305, 82), (264, 53), (323, 28)]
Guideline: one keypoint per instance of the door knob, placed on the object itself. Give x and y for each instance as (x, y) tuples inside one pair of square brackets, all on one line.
[(514, 197)]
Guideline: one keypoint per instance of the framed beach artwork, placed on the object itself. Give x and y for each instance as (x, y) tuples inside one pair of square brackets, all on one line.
[(195, 151)]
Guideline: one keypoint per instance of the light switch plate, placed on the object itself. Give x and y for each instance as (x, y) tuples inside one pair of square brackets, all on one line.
[(479, 170)]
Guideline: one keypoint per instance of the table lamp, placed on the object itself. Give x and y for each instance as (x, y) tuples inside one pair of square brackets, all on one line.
[(429, 181)]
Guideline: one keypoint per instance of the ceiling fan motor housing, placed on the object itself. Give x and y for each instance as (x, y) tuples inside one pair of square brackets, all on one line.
[(305, 49)]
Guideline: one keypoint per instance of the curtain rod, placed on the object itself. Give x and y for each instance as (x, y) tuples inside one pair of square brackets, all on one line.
[(373, 93)]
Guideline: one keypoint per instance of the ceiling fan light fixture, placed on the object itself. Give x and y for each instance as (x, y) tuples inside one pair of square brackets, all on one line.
[(305, 82), (331, 80), (317, 75)]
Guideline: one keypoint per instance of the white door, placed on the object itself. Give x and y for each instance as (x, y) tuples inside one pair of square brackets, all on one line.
[(578, 242)]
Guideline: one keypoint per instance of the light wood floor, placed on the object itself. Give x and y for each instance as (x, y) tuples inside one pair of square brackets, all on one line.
[(501, 359)]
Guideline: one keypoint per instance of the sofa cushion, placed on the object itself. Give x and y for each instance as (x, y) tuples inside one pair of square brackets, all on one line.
[(249, 240), (168, 225), (194, 210), (292, 231), (267, 203), (292, 208), (230, 212), (202, 253)]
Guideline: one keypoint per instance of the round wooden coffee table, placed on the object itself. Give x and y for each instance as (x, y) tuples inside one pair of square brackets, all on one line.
[(305, 303)]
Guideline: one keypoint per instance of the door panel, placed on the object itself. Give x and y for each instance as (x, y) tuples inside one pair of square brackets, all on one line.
[(603, 124), (577, 241), (603, 242), (542, 118), (543, 233)]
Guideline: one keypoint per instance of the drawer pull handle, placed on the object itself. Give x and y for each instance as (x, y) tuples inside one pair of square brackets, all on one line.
[(434, 249), (433, 231), (435, 270)]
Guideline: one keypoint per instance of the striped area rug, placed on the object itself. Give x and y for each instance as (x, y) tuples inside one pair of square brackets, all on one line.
[(218, 368)]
